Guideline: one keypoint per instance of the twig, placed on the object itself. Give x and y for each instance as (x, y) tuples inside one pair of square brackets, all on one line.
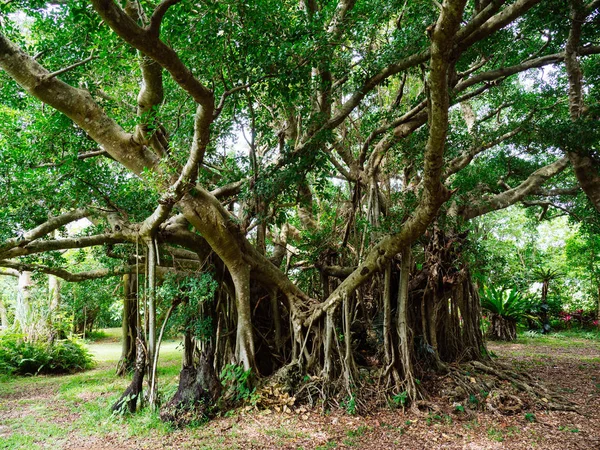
[(71, 67)]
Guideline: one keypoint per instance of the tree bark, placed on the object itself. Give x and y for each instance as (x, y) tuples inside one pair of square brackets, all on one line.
[(151, 323), (586, 171), (3, 314), (502, 329), (244, 346), (23, 308), (598, 304), (405, 342), (129, 326), (133, 392), (54, 291)]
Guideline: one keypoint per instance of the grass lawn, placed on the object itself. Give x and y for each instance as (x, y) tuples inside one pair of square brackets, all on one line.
[(47, 411)]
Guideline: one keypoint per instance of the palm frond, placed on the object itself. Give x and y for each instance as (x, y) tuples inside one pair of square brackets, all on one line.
[(508, 303)]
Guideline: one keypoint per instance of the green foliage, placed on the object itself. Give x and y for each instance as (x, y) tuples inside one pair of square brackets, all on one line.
[(400, 400), (190, 293), (510, 304), (238, 384), (349, 404), (545, 275), (20, 357)]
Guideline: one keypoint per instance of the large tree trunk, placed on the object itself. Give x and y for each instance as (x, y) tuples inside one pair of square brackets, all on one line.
[(244, 346), (198, 390), (405, 344), (586, 170)]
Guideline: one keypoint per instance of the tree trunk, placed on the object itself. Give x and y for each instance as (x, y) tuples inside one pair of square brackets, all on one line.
[(54, 291), (388, 338), (502, 329), (54, 287), (545, 308), (3, 314), (23, 308), (151, 322), (404, 333), (199, 388), (129, 326), (598, 304), (244, 346), (134, 390)]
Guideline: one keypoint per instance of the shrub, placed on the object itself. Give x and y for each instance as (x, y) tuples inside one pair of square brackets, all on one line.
[(506, 308), (20, 357)]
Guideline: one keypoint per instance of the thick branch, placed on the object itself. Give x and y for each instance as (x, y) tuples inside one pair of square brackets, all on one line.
[(77, 104), (44, 229), (503, 72), (476, 31), (585, 169), (65, 244), (148, 43), (188, 174), (9, 272), (66, 275), (512, 196), (157, 16)]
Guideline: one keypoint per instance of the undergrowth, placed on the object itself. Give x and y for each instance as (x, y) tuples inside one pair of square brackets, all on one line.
[(21, 357)]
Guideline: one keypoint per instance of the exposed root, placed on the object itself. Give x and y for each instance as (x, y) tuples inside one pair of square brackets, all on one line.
[(540, 394), (504, 403)]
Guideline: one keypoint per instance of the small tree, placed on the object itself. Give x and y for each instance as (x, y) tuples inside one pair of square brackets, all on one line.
[(544, 276), (506, 308)]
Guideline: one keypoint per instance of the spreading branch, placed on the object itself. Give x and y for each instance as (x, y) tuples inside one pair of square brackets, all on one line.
[(149, 43), (514, 195), (71, 67), (44, 229)]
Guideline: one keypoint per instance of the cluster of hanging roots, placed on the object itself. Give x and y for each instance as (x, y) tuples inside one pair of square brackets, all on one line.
[(385, 341)]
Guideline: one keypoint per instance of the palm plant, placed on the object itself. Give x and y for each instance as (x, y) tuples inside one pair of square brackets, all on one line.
[(506, 307), (545, 276)]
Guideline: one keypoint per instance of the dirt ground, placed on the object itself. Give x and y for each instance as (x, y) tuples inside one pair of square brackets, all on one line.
[(44, 415)]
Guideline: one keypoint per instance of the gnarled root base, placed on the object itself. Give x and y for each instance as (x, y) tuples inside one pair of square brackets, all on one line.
[(128, 401), (190, 403), (496, 387), (196, 395)]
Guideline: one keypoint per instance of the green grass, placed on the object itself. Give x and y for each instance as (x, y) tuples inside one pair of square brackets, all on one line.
[(565, 339), (82, 401)]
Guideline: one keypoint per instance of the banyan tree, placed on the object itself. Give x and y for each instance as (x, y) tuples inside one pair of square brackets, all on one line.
[(294, 182)]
